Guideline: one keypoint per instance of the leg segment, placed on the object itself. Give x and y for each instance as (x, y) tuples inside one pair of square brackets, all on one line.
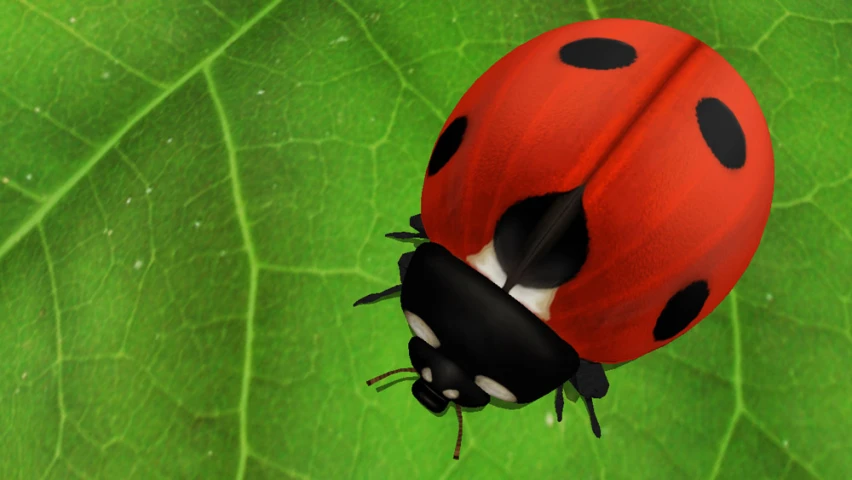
[(417, 224), (404, 260), (590, 382)]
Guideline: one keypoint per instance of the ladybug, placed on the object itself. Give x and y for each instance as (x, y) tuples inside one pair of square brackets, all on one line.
[(595, 194)]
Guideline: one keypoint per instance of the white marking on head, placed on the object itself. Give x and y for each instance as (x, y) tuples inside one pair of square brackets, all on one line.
[(494, 389), (419, 327), (426, 374), (451, 393), (537, 300)]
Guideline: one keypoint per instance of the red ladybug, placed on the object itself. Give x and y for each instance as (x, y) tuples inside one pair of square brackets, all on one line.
[(594, 195)]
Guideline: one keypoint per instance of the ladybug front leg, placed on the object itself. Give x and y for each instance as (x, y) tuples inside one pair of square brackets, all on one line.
[(403, 262), (590, 382), (416, 223)]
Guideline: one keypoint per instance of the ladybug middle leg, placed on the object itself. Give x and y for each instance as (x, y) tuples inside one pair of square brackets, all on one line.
[(417, 224), (590, 382)]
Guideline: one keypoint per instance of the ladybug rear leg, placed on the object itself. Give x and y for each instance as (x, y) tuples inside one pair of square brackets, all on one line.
[(417, 224), (590, 382)]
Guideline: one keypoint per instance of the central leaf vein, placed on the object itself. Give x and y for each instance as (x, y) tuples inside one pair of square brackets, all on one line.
[(254, 269)]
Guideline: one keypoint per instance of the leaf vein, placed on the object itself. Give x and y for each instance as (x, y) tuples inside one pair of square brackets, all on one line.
[(254, 269), (390, 61), (593, 9), (737, 381), (35, 219), (60, 392), (132, 70)]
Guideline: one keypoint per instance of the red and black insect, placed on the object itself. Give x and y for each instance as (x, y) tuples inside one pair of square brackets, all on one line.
[(594, 195)]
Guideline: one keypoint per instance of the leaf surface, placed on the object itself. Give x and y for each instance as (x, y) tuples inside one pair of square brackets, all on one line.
[(194, 193)]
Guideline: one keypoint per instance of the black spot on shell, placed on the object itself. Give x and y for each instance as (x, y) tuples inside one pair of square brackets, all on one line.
[(681, 309), (447, 145), (597, 54), (553, 268), (722, 132)]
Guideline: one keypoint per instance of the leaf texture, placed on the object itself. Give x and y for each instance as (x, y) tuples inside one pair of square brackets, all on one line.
[(194, 193)]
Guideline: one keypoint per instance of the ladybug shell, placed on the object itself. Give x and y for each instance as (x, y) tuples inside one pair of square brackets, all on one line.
[(675, 156)]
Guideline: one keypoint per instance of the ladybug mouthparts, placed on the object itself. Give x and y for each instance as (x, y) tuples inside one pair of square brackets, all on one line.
[(441, 379), (428, 397)]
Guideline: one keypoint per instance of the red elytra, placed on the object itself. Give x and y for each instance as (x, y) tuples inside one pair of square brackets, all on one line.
[(675, 157)]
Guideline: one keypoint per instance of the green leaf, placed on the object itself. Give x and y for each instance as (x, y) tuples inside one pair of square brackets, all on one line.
[(194, 193)]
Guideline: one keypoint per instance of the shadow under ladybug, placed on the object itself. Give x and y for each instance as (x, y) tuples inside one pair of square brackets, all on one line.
[(473, 342)]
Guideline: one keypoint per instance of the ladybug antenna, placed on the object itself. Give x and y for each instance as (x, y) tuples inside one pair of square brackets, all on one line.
[(459, 437), (547, 232), (388, 374)]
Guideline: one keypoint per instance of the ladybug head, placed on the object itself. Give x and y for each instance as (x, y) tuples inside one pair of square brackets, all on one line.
[(473, 341)]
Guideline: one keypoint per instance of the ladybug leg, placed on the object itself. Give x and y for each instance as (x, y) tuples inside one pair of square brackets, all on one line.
[(560, 403), (591, 382), (417, 224), (403, 262)]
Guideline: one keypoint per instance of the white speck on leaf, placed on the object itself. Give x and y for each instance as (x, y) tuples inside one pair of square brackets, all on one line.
[(128, 200), (37, 109), (785, 443), (340, 39), (29, 176), (24, 376), (222, 253), (375, 17), (105, 75), (769, 297), (197, 224), (5, 179), (454, 19), (298, 84), (72, 20), (169, 140), (109, 233), (261, 91), (148, 190), (209, 453), (138, 264), (410, 70), (548, 419)]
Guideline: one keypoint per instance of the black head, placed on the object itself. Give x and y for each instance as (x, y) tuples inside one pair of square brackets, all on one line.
[(473, 340)]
